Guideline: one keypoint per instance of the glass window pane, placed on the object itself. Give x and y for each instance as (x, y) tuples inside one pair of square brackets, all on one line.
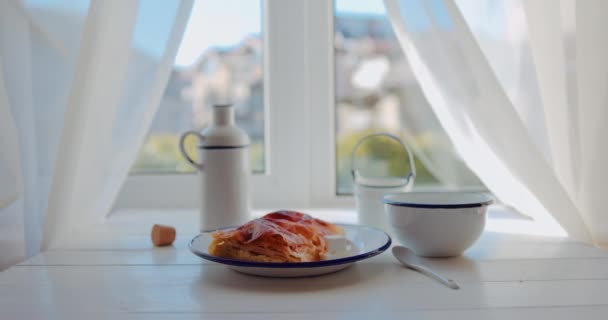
[(377, 92), (211, 66)]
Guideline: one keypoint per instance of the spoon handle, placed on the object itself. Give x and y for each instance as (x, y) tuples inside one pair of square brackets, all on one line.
[(430, 273)]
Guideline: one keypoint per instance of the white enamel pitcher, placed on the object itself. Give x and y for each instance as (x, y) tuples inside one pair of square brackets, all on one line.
[(369, 191), (223, 171)]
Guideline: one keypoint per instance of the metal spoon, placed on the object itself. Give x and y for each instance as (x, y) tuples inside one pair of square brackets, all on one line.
[(410, 260)]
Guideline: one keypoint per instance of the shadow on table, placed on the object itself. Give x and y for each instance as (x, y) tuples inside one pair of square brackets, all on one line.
[(356, 275)]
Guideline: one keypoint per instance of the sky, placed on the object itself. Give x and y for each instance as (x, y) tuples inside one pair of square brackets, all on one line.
[(212, 23), (225, 23), (238, 19), (217, 23)]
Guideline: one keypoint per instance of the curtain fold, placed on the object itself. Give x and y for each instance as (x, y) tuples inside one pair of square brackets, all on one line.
[(431, 145), (12, 187), (531, 128), (79, 84), (85, 139)]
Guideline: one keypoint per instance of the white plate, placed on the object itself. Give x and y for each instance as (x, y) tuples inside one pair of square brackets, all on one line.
[(364, 242)]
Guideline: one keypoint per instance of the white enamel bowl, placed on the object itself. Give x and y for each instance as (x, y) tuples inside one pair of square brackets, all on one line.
[(437, 224), (363, 243)]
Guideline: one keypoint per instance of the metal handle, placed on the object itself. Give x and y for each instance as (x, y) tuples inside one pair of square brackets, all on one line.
[(430, 273), (182, 148), (412, 173)]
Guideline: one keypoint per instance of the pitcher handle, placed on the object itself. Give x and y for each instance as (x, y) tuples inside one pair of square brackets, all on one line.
[(410, 176), (182, 148)]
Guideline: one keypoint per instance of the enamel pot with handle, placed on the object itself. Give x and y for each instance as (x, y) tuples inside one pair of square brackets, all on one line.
[(369, 191), (223, 169)]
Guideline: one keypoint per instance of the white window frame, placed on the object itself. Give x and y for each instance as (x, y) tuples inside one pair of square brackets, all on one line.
[(321, 56), (300, 166)]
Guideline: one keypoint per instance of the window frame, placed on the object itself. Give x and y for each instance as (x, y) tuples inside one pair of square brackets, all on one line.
[(298, 117), (323, 112)]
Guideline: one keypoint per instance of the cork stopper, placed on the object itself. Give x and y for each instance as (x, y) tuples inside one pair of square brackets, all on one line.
[(162, 235)]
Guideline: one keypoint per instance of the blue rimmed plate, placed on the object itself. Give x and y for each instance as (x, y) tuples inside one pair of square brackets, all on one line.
[(363, 243)]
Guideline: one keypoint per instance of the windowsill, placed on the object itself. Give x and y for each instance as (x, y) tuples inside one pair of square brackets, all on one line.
[(130, 228)]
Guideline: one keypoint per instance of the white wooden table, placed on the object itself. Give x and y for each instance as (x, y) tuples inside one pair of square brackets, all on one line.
[(113, 272)]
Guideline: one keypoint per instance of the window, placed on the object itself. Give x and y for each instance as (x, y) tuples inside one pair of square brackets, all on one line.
[(310, 79), (268, 55), (375, 91), (210, 67)]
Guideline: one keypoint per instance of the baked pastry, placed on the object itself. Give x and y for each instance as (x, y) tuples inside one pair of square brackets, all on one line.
[(281, 236)]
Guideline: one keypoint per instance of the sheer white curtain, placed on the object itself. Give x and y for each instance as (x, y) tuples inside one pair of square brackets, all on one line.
[(79, 84), (423, 133), (520, 87)]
